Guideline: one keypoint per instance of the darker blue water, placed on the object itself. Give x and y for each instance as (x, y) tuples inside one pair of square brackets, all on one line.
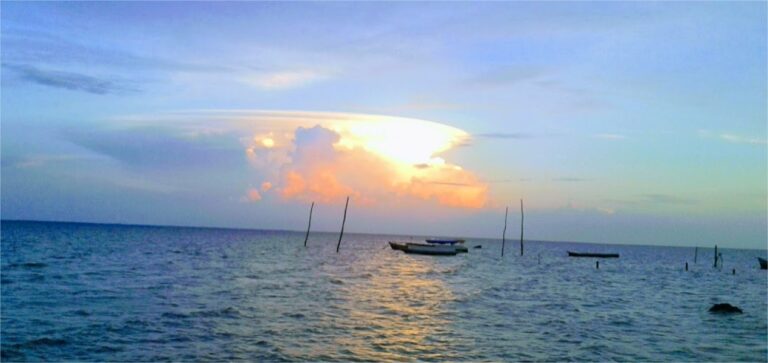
[(134, 293)]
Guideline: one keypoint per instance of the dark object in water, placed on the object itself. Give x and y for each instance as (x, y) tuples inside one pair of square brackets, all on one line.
[(398, 246), (444, 241), (763, 263), (431, 249), (724, 308), (587, 254), (478, 246)]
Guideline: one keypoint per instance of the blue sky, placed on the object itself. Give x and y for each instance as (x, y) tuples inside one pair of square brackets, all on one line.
[(620, 122)]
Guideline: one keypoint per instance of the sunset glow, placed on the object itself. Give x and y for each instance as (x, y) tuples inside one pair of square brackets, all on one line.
[(616, 122), (374, 158)]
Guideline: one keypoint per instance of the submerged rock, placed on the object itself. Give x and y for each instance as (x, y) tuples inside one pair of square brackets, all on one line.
[(725, 308)]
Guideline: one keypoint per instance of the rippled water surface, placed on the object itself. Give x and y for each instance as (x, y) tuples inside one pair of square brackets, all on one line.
[(133, 293)]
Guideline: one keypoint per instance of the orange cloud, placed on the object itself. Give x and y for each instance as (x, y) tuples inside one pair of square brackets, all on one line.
[(253, 195), (320, 169)]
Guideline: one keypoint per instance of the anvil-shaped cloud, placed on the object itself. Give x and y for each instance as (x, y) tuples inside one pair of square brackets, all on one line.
[(376, 159), (307, 156)]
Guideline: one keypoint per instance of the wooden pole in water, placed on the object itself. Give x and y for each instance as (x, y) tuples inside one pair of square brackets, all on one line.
[(715, 256), (342, 225), (522, 218), (310, 223), (696, 254), (504, 233)]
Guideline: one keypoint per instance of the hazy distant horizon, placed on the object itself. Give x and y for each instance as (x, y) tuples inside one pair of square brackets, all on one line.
[(511, 240)]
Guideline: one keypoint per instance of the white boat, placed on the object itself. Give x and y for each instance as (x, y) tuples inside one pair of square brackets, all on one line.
[(430, 249), (456, 243)]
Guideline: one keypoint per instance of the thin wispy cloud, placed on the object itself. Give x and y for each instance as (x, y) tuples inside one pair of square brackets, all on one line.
[(736, 139), (33, 161), (70, 80), (161, 148), (731, 138), (285, 79)]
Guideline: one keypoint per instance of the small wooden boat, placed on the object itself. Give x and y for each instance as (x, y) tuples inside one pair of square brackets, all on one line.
[(398, 246), (444, 241), (588, 254), (430, 249), (763, 263)]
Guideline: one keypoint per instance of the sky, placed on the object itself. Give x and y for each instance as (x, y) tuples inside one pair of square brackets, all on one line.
[(615, 122)]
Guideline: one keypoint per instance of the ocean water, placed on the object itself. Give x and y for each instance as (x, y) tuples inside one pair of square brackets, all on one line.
[(89, 292)]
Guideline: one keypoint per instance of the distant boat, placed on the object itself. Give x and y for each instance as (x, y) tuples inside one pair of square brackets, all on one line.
[(458, 243), (430, 249), (763, 263), (444, 241), (398, 246), (589, 254)]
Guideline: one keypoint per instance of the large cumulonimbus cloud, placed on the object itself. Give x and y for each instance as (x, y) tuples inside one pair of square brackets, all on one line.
[(374, 159)]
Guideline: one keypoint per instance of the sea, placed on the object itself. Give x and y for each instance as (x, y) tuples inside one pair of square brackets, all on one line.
[(99, 292)]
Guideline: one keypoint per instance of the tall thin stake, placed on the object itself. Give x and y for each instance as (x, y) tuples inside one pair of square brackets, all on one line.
[(310, 223), (695, 254), (343, 221), (522, 218), (715, 256), (504, 234)]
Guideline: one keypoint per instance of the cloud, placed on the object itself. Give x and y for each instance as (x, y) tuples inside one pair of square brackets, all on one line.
[(731, 138), (285, 79), (253, 195), (33, 161), (742, 140), (322, 169), (70, 81), (306, 156), (162, 147)]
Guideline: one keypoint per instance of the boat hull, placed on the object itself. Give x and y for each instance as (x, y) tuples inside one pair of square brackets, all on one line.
[(598, 255), (444, 241), (398, 246), (763, 263), (423, 249)]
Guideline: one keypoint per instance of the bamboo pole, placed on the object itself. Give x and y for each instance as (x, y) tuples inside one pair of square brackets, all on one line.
[(343, 221), (522, 218), (310, 223), (715, 256), (504, 233)]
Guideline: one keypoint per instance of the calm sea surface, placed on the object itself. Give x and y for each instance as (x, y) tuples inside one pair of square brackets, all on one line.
[(132, 293)]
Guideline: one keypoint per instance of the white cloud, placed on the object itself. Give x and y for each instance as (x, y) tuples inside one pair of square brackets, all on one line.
[(285, 79), (732, 138), (742, 140)]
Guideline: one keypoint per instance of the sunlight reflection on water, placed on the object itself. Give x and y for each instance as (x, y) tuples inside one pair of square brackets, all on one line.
[(123, 293)]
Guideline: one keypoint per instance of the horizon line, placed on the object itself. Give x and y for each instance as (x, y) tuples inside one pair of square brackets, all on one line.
[(363, 233)]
